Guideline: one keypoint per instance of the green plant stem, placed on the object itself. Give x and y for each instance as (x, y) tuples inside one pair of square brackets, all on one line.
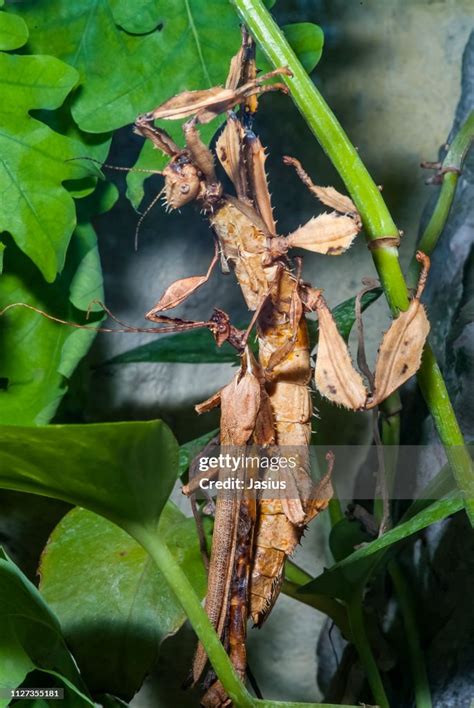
[(295, 578), (335, 511), (454, 160), (415, 653), (200, 622), (390, 436), (361, 642), (377, 222)]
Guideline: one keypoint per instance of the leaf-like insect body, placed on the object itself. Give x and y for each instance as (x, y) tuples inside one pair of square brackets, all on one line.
[(399, 355), (327, 195), (329, 234), (210, 403), (334, 199), (178, 292), (209, 103), (256, 158), (229, 153), (335, 376), (181, 289), (240, 404), (188, 103)]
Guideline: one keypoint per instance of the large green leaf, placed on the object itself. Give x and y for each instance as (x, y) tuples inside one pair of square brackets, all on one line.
[(124, 67), (123, 471), (37, 355), (36, 208), (115, 608), (198, 347), (156, 48), (31, 638)]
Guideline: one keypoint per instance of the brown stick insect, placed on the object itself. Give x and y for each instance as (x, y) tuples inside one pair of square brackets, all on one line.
[(268, 404)]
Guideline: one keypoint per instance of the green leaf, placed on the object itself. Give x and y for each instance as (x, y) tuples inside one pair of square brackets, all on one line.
[(353, 571), (13, 31), (189, 450), (2, 248), (123, 471), (345, 536), (38, 355), (194, 347), (32, 639), (198, 347), (110, 598), (36, 208), (126, 69), (95, 35), (307, 40)]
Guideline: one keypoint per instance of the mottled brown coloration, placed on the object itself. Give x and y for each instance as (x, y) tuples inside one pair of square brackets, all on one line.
[(400, 353), (328, 234), (335, 376), (209, 103)]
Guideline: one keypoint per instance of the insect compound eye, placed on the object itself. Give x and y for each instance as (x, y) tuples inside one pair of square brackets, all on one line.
[(184, 189)]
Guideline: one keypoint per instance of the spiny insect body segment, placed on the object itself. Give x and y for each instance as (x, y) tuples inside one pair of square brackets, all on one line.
[(268, 402)]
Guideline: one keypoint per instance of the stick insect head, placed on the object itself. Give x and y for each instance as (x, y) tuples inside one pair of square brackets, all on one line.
[(183, 179), (184, 182)]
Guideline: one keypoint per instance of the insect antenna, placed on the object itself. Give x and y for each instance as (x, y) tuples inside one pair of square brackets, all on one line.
[(142, 217), (116, 167), (128, 169)]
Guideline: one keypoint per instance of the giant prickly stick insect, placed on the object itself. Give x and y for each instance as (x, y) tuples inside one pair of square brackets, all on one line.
[(268, 402)]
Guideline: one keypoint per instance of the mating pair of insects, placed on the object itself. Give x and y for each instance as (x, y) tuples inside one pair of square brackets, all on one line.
[(268, 402)]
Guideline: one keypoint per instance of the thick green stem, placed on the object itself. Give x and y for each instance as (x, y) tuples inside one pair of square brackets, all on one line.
[(377, 222), (190, 603), (415, 653), (450, 169), (361, 641)]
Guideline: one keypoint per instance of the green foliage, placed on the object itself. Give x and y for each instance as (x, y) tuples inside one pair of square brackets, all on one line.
[(31, 638), (123, 471), (36, 208), (13, 32), (37, 355), (353, 571), (111, 600)]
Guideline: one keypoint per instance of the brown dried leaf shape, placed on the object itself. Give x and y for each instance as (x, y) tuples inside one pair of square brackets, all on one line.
[(335, 376), (228, 149), (400, 353), (334, 199), (328, 234), (208, 103), (327, 195), (240, 404), (256, 158), (181, 289)]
